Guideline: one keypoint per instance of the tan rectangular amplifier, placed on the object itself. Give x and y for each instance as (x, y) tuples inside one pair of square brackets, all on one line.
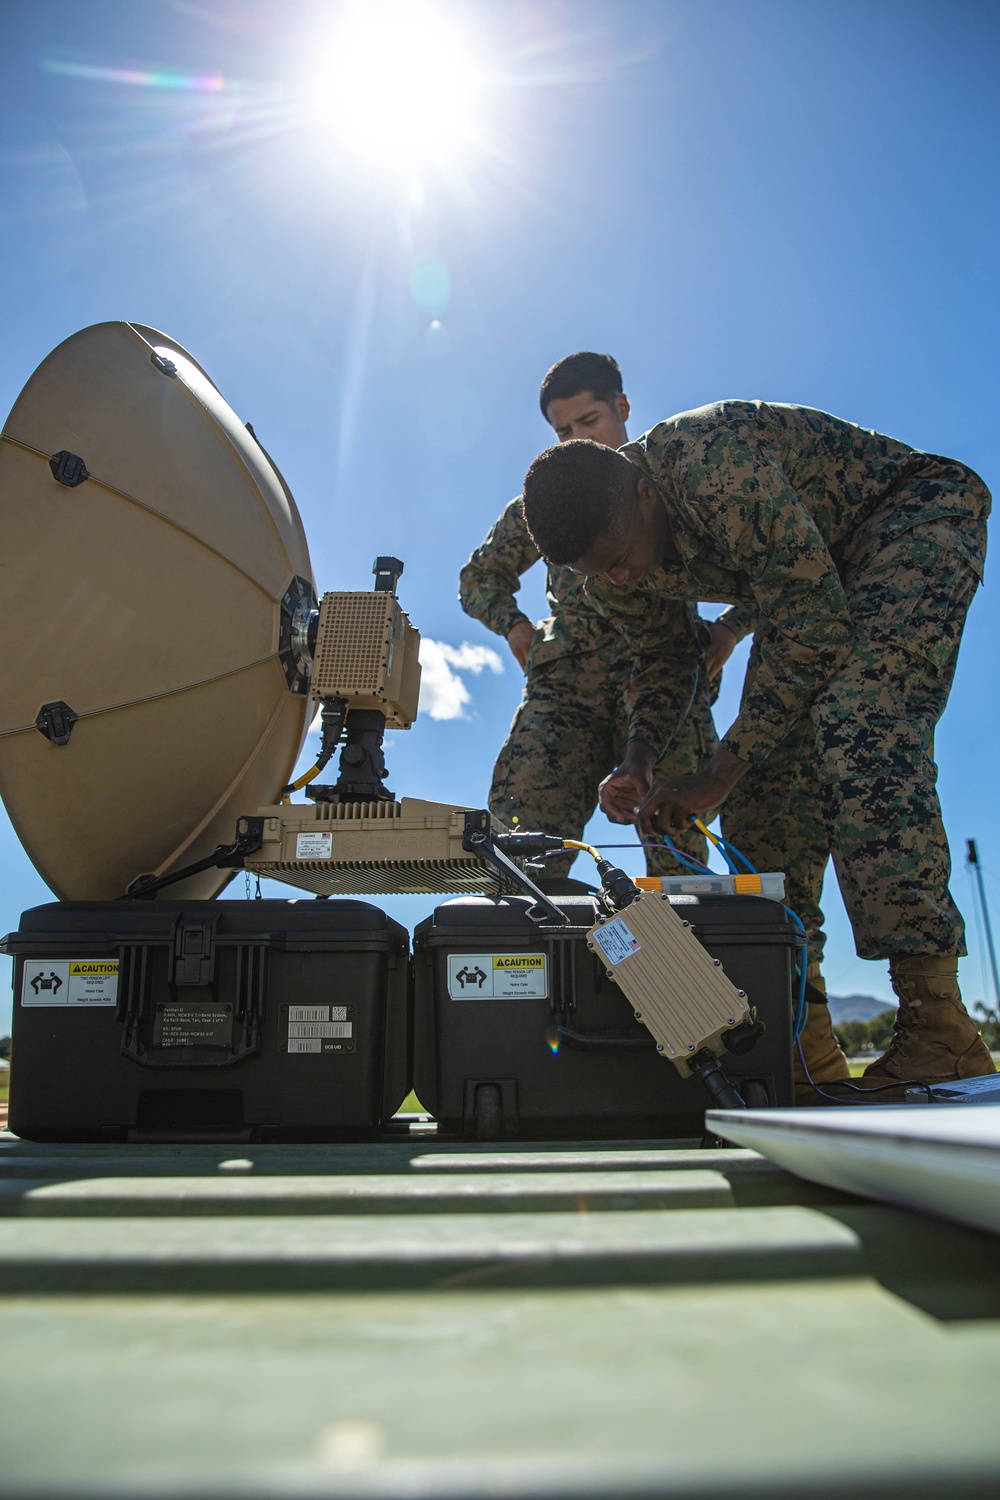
[(678, 990), (372, 848)]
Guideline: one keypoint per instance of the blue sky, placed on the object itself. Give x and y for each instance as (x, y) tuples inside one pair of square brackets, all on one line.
[(752, 198)]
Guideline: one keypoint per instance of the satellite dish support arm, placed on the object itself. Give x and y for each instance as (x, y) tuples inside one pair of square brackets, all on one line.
[(249, 838)]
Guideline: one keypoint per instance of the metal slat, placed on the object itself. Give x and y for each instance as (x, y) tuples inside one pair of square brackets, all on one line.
[(701, 1352)]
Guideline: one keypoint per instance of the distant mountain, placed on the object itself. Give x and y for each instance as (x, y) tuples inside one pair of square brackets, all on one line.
[(857, 1007)]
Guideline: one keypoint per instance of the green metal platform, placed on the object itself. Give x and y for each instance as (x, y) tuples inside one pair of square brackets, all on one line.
[(416, 1318)]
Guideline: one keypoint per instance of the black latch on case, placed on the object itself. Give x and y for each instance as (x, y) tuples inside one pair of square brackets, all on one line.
[(55, 721), (194, 954), (68, 468)]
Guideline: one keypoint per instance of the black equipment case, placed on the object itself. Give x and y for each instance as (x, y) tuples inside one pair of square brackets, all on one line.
[(518, 1031), (180, 1020)]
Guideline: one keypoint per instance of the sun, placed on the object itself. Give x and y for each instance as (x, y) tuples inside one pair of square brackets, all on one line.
[(397, 84)]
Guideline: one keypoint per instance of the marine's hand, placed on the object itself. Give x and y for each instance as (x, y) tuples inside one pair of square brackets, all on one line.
[(720, 647), (622, 791), (672, 802), (519, 639)]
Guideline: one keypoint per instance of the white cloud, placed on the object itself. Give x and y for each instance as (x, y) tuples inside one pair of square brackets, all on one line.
[(443, 694)]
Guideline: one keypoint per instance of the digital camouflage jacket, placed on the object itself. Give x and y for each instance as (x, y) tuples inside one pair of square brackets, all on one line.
[(769, 506), (492, 577)]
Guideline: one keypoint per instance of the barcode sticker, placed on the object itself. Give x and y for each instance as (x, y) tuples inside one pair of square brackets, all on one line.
[(317, 1012), (320, 1028), (329, 1029)]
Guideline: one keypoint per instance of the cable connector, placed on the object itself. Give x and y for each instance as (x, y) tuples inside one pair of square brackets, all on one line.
[(332, 721), (742, 1039), (620, 889), (721, 1090), (527, 845)]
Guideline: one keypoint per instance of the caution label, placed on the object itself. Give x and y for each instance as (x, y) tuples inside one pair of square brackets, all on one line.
[(70, 981), (497, 976)]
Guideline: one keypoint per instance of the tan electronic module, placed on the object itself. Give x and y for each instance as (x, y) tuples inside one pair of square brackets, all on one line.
[(367, 654), (371, 848), (679, 992)]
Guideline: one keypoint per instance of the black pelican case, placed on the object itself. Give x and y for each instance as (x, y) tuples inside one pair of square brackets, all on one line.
[(519, 1032), (210, 1020)]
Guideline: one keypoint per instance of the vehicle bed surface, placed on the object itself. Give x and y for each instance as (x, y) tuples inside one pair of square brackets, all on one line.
[(414, 1317)]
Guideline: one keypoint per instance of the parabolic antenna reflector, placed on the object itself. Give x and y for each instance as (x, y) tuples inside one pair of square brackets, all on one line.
[(152, 564)]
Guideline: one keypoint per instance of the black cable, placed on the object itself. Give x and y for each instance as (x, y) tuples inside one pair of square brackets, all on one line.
[(332, 720), (856, 1088)]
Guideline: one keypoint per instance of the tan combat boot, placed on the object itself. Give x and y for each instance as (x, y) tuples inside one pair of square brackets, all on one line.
[(823, 1054), (934, 1039)]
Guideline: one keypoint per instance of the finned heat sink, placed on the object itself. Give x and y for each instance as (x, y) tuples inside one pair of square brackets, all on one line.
[(428, 877), (373, 848)]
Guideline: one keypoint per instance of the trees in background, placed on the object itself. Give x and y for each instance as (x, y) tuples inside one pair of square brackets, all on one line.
[(866, 1036), (874, 1036)]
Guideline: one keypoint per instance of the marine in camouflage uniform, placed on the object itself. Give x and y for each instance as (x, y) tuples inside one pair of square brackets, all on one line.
[(774, 813), (774, 816), (862, 556), (571, 727)]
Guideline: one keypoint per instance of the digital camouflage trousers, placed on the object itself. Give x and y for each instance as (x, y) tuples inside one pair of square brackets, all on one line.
[(568, 734), (857, 778)]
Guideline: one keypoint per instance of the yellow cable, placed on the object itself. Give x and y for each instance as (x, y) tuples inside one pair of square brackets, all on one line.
[(310, 775), (702, 829), (587, 848)]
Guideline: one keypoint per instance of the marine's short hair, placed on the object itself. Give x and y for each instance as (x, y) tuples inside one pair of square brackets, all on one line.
[(575, 493), (597, 373)]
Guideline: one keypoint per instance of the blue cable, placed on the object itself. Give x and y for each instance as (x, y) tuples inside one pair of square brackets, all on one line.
[(801, 1009), (730, 854), (689, 862), (731, 864), (730, 850)]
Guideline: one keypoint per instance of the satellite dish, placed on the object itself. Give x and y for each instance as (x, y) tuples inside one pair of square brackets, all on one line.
[(155, 582)]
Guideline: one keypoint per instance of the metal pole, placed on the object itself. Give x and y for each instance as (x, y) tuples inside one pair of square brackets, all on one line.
[(973, 857)]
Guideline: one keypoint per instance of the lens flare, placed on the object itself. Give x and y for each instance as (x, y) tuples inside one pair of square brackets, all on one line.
[(211, 83)]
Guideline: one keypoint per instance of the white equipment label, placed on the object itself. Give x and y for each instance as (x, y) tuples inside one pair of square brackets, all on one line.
[(497, 976), (70, 981), (313, 845), (317, 1013), (320, 1028), (616, 941)]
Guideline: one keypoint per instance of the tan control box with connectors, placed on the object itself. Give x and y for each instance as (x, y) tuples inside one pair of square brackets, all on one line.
[(679, 992)]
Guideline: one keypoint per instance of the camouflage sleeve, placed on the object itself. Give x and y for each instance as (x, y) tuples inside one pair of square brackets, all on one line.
[(741, 619), (492, 576), (734, 492), (667, 639)]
